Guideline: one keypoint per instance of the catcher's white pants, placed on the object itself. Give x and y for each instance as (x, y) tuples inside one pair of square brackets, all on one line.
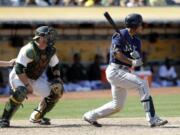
[(120, 81), (40, 86)]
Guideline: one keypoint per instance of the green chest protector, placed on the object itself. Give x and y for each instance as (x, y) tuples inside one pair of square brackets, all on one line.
[(40, 61)]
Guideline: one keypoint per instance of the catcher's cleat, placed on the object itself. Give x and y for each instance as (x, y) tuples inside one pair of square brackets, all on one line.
[(94, 123), (156, 121), (43, 121), (4, 123)]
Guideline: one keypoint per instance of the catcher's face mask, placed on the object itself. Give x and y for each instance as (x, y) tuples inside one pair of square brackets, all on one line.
[(51, 36), (47, 32)]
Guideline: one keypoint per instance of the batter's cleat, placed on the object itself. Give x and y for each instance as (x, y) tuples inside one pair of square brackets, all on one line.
[(43, 121), (4, 123), (156, 121), (94, 123)]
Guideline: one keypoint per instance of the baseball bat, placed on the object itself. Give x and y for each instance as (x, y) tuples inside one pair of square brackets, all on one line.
[(111, 21)]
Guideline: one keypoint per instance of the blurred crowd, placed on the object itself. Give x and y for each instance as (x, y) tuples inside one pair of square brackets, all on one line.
[(89, 3), (80, 77), (164, 74)]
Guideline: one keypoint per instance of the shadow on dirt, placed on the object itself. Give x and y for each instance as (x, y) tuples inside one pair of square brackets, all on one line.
[(171, 126), (139, 126), (88, 125), (50, 126)]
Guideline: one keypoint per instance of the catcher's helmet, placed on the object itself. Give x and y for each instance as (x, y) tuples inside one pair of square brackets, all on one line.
[(133, 20), (48, 32)]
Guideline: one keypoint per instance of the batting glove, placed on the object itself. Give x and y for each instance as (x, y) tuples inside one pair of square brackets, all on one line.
[(137, 62)]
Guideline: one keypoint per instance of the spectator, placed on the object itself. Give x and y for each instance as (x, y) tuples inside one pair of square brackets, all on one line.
[(123, 3), (117, 2), (80, 2), (15, 3), (69, 3), (9, 2), (170, 2), (157, 3), (30, 3), (58, 2), (77, 76), (64, 69), (43, 3), (89, 3), (94, 71), (177, 2), (167, 74), (107, 2), (77, 71), (135, 3)]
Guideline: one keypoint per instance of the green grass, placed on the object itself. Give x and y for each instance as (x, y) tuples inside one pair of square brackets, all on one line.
[(166, 105)]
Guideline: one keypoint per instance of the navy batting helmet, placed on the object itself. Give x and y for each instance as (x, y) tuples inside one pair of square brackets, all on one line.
[(133, 20), (48, 32)]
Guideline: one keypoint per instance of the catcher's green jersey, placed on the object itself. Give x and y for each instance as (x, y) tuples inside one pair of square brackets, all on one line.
[(39, 59)]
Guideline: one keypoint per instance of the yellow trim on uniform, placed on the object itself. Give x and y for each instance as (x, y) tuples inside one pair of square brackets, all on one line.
[(15, 101), (37, 116)]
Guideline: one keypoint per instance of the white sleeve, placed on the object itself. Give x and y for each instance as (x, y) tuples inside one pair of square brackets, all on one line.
[(54, 60), (173, 72), (22, 58), (162, 71)]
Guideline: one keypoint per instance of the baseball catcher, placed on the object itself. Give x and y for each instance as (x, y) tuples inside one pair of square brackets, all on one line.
[(120, 77), (29, 75)]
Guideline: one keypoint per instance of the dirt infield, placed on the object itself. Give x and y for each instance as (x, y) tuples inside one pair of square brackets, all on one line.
[(111, 126)]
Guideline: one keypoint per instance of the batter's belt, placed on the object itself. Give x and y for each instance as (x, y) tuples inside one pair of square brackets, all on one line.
[(123, 67)]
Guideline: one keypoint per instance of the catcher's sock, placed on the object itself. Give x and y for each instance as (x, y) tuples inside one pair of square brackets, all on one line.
[(4, 123), (10, 108)]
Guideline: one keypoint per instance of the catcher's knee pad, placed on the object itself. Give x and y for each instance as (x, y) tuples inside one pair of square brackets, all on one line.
[(19, 94), (57, 89)]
